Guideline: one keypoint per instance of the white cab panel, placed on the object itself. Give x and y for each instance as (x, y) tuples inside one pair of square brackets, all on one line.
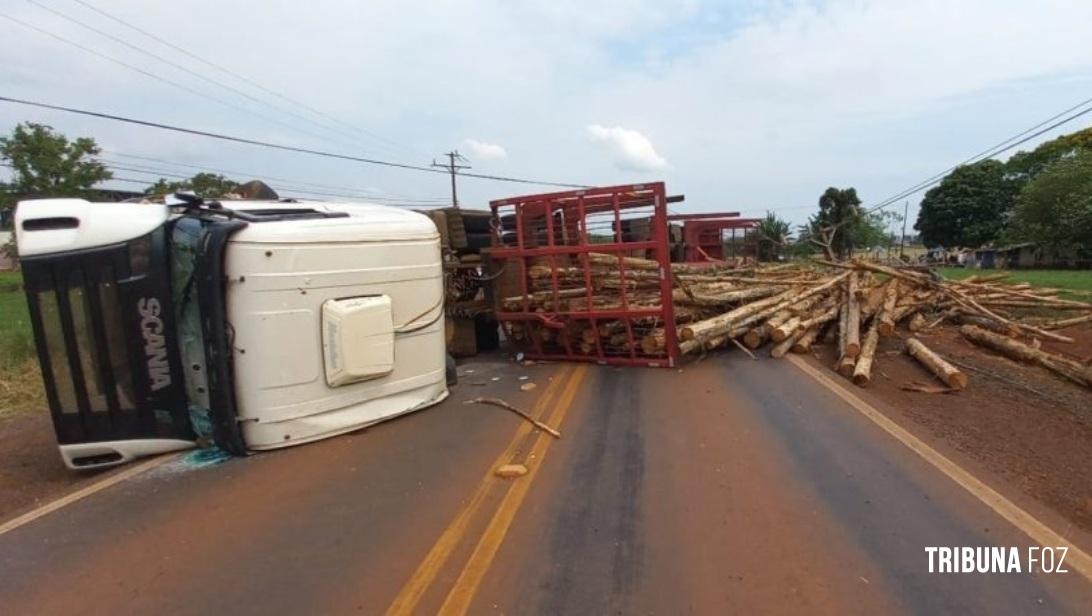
[(60, 225), (297, 268)]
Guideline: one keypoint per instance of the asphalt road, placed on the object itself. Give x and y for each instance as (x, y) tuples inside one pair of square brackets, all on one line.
[(732, 486)]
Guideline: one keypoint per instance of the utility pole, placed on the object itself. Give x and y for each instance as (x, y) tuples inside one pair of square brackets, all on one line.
[(453, 168), (902, 242)]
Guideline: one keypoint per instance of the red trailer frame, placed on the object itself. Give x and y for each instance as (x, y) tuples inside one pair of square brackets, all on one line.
[(702, 233), (559, 231)]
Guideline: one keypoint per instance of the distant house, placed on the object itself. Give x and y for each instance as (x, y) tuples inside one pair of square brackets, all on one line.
[(1029, 255)]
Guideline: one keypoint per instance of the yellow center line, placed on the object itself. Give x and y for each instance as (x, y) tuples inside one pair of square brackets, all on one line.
[(1024, 521), (466, 586), (410, 595)]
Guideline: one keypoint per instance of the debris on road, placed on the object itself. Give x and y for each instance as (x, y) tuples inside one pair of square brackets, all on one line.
[(524, 414), (527, 387), (945, 371), (508, 471)]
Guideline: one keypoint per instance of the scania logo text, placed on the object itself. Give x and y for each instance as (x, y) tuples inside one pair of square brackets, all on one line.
[(155, 345)]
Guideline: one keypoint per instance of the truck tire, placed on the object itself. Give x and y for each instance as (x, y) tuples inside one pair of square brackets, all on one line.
[(450, 371)]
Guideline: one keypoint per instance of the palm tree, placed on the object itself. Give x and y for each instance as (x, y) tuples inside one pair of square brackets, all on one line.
[(773, 234)]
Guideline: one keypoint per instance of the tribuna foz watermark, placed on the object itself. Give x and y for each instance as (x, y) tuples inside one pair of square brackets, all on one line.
[(1033, 559)]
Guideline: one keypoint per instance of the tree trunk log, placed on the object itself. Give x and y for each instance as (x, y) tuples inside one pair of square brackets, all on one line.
[(844, 366), (887, 312), (1014, 349), (862, 371), (778, 350), (936, 364), (852, 346), (806, 339)]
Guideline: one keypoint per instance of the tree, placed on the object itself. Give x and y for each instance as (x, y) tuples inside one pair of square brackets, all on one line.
[(1022, 167), (773, 235), (207, 185), (833, 226), (969, 207), (45, 163), (1054, 209)]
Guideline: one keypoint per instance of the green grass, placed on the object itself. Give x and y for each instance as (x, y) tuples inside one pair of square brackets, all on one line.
[(16, 339), (1075, 284), (20, 383)]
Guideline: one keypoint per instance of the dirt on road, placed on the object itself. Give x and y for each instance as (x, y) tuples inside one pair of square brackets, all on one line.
[(1023, 423), (31, 470)]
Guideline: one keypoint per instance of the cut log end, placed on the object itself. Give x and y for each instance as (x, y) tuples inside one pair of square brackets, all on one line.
[(845, 366), (946, 372)]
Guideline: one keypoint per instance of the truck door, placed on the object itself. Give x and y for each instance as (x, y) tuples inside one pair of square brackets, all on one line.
[(104, 328)]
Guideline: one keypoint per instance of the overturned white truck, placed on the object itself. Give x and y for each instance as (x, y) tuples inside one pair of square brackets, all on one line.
[(243, 324)]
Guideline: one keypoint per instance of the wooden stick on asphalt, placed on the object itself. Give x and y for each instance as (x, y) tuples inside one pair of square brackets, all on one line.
[(504, 405), (744, 349)]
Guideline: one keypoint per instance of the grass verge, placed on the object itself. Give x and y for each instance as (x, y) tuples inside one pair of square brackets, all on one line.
[(1075, 284), (20, 378)]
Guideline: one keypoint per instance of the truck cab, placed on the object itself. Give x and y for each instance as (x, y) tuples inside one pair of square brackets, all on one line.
[(246, 325)]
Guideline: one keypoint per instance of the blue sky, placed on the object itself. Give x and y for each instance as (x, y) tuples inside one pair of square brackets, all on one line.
[(739, 105)]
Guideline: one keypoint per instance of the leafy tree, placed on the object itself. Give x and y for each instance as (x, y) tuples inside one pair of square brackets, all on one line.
[(969, 207), (872, 229), (208, 185), (1023, 166), (1055, 208), (833, 226), (773, 235), (45, 163)]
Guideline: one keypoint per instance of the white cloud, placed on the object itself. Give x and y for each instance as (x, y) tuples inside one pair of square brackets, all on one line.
[(482, 150), (632, 150)]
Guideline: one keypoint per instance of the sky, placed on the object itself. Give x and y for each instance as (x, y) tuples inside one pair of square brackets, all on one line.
[(741, 106)]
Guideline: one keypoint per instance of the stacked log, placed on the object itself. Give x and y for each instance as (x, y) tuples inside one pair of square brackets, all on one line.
[(793, 307)]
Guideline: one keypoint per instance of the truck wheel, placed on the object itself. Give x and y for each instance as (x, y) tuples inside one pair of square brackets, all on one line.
[(451, 372)]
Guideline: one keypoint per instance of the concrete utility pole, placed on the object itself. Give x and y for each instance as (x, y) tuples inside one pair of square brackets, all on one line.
[(453, 168), (902, 242)]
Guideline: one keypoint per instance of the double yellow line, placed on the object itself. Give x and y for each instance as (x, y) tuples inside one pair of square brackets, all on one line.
[(551, 407)]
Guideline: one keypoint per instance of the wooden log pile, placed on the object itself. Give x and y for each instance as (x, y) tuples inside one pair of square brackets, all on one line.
[(791, 308)]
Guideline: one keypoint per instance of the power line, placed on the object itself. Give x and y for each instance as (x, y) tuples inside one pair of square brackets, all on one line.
[(1000, 148), (284, 192), (275, 146), (236, 75), (156, 77), (278, 187), (291, 184), (217, 83)]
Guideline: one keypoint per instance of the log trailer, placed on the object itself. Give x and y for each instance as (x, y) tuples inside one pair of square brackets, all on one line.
[(246, 324)]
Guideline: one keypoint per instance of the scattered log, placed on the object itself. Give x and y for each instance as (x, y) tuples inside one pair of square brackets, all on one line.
[(852, 344), (946, 372), (862, 371), (778, 350), (887, 312), (1014, 349), (806, 339), (1068, 322), (720, 324), (845, 366), (917, 323)]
